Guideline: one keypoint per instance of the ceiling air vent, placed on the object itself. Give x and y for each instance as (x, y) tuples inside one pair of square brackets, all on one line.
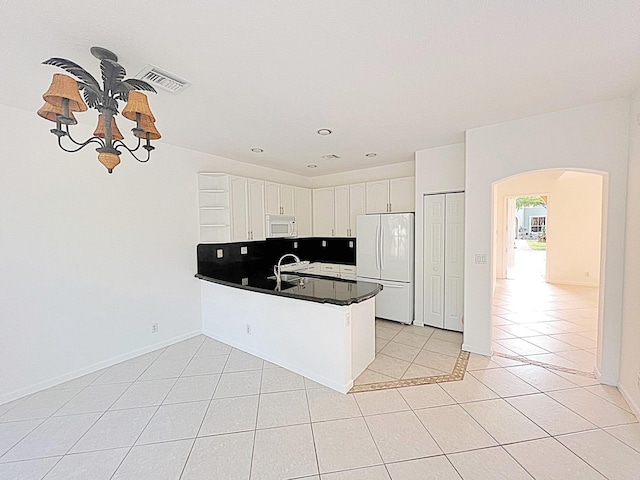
[(330, 157), (163, 79)]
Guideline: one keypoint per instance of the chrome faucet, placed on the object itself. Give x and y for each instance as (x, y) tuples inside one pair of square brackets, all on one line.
[(276, 268)]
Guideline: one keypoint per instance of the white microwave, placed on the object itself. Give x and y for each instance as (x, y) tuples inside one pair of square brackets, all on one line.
[(279, 226)]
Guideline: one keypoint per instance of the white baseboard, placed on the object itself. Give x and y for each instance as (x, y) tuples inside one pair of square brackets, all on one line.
[(635, 408), (604, 378), (52, 382), (473, 349), (577, 284)]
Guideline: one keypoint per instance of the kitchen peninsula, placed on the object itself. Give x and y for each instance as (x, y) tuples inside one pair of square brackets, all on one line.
[(321, 328)]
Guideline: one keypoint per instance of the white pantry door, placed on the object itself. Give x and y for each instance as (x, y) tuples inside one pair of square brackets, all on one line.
[(433, 248)]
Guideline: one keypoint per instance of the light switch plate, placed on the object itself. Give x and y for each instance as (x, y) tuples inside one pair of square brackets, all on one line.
[(481, 259), (219, 253), (243, 250)]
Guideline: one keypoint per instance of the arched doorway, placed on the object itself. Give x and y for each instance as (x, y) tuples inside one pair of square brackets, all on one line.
[(551, 320)]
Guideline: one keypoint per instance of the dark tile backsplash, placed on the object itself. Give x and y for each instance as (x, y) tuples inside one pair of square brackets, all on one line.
[(263, 255)]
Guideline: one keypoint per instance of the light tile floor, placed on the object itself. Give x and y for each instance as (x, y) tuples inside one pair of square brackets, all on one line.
[(409, 351), (202, 410), (553, 324)]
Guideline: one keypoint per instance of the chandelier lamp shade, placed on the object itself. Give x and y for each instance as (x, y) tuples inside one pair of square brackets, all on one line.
[(63, 99)]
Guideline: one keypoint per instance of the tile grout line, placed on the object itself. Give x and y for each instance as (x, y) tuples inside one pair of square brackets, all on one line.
[(255, 430), (205, 412), (313, 437)]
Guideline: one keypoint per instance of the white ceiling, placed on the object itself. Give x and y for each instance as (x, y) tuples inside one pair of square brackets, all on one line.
[(390, 77)]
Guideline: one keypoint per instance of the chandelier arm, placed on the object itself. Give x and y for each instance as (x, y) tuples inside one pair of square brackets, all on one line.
[(82, 145), (120, 143)]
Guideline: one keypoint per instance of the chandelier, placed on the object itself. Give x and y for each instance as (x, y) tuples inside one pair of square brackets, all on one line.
[(63, 98)]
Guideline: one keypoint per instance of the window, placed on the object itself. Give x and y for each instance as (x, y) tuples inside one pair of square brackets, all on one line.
[(537, 224)]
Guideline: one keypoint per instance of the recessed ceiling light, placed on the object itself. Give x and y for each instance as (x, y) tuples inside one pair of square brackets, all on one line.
[(312, 165), (257, 150), (371, 154), (324, 131)]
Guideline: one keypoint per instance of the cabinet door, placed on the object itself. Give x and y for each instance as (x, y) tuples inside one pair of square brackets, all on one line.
[(302, 211), (256, 210), (433, 248), (356, 206), (341, 211), (271, 198), (378, 196), (239, 209), (323, 212), (286, 200), (454, 261), (401, 194)]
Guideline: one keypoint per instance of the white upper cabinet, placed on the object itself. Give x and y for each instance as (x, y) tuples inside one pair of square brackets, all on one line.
[(391, 196), (256, 210), (341, 211), (402, 195), (377, 197), (247, 209), (287, 200), (357, 206), (233, 209), (239, 209), (271, 198), (323, 204), (302, 211), (279, 199)]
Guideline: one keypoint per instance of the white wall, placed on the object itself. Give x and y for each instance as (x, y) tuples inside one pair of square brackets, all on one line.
[(574, 220), (574, 229), (397, 170), (89, 260), (438, 170), (592, 137), (630, 355)]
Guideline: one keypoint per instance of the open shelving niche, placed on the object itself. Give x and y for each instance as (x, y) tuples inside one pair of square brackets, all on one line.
[(214, 207)]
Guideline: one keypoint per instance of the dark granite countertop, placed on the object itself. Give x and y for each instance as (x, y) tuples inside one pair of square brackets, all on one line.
[(311, 288)]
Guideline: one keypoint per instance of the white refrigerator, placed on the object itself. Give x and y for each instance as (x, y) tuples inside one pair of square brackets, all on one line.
[(384, 255)]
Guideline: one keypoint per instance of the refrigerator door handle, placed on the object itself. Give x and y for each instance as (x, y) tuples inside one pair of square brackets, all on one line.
[(381, 248), (377, 247)]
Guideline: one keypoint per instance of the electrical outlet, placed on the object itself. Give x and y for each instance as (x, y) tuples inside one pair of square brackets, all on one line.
[(245, 281), (248, 329), (295, 244), (243, 250), (351, 244), (219, 253), (154, 327), (324, 243)]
